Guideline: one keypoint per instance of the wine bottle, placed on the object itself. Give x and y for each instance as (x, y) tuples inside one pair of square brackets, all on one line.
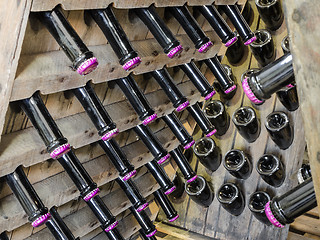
[(118, 158), (83, 60), (166, 205), (161, 177), (58, 147), (58, 228), (88, 98), (198, 80), (165, 81), (225, 82), (304, 173), (237, 163), (137, 99), (280, 129), (207, 128), (257, 203), (200, 191), (239, 23), (271, 13), (231, 198), (283, 209), (218, 24), (28, 198), (246, 122), (171, 46), (263, 47), (208, 153), (192, 28), (183, 165), (4, 236), (116, 37), (133, 194), (145, 222), (262, 84), (178, 130), (152, 143)]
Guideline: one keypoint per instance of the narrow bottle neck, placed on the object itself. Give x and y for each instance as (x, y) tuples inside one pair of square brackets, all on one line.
[(183, 164), (26, 195), (144, 221), (114, 33), (217, 23), (94, 108), (117, 157), (135, 96), (178, 129), (190, 25), (132, 192), (43, 122), (166, 83), (166, 205), (158, 28)]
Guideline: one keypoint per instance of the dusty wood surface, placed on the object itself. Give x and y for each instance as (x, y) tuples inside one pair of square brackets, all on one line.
[(13, 21), (42, 5), (215, 221), (302, 18)]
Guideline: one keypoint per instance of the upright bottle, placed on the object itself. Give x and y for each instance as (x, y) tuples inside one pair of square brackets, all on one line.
[(262, 84), (137, 99), (285, 208), (164, 79), (171, 46), (83, 60), (116, 37), (233, 13), (218, 24), (58, 147), (192, 28)]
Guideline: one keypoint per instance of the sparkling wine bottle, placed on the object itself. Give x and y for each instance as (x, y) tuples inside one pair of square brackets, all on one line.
[(218, 24), (152, 143), (117, 38), (58, 147), (192, 28), (166, 205), (161, 177), (227, 85), (262, 84), (239, 23), (137, 99), (145, 222), (178, 130), (283, 209), (164, 79), (198, 79), (83, 60), (171, 46)]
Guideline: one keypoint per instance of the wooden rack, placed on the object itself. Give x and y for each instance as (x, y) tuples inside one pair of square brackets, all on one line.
[(32, 61)]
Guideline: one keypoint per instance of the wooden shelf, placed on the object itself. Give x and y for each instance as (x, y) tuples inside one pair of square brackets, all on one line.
[(43, 5), (49, 72)]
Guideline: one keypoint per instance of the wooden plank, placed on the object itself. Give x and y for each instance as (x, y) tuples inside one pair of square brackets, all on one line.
[(295, 236), (50, 72), (79, 130), (13, 21), (59, 188), (307, 224), (179, 233), (42, 5), (301, 17)]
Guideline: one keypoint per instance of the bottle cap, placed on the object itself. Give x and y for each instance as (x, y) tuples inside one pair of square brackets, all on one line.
[(205, 47), (131, 64), (231, 41), (182, 106), (111, 226), (192, 179), (271, 217), (211, 133), (142, 207), (112, 133), (250, 40), (91, 194), (59, 151), (230, 89), (149, 119), (129, 175), (174, 218), (163, 159), (87, 66), (249, 93), (175, 51), (170, 190), (41, 220), (210, 95), (151, 234), (188, 145)]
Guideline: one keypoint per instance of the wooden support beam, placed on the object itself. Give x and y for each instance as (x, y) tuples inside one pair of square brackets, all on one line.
[(303, 18)]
